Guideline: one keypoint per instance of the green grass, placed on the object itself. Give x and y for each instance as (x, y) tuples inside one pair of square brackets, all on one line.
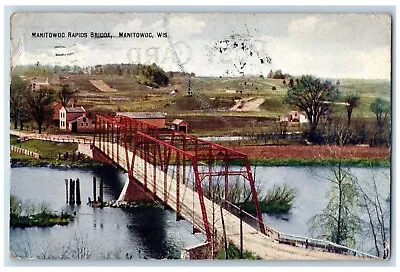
[(234, 254), (23, 215), (48, 152), (39, 220), (353, 162), (14, 140)]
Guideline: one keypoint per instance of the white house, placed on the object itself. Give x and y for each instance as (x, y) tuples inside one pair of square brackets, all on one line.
[(68, 114), (294, 116)]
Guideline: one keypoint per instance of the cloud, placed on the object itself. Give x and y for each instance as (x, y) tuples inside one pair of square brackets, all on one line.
[(186, 24), (131, 26), (326, 45), (306, 25)]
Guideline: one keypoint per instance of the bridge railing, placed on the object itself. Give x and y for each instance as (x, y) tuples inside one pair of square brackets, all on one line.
[(290, 239)]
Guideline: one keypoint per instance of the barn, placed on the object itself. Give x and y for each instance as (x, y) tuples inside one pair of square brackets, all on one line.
[(154, 118), (180, 125)]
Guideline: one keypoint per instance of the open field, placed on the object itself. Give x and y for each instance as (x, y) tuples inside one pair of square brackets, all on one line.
[(315, 152), (211, 109)]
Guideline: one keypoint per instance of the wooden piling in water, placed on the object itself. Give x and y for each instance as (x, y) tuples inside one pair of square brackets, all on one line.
[(66, 190), (78, 192), (101, 190), (71, 192), (94, 189)]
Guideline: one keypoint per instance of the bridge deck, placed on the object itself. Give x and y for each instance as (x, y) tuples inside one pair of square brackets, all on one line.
[(253, 240)]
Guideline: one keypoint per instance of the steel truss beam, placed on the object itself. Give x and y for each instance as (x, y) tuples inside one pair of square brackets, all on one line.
[(170, 150)]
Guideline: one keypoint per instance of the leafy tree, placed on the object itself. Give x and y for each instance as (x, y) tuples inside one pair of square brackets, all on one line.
[(314, 98), (65, 94), (152, 75), (39, 105), (278, 75), (291, 82), (352, 100), (338, 222), (18, 106), (381, 109)]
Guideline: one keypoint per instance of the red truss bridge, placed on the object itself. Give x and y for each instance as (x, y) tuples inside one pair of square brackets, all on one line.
[(192, 176)]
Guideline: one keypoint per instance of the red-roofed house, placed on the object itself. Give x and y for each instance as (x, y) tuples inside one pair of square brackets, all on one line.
[(72, 117), (180, 125), (56, 111)]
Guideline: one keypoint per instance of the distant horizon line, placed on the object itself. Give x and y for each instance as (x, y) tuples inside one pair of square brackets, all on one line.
[(203, 76)]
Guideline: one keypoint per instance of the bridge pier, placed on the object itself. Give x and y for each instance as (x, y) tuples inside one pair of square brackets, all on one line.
[(133, 191)]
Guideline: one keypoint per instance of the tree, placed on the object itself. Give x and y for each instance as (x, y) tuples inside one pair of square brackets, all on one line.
[(338, 222), (39, 105), (65, 94), (352, 100), (18, 106), (381, 109), (278, 75), (378, 220), (314, 98)]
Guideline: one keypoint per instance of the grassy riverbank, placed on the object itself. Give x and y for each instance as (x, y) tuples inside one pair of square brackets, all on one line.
[(39, 220), (52, 153), (353, 162), (25, 215)]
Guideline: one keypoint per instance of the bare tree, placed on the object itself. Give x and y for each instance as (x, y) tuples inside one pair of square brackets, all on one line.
[(65, 94), (39, 105), (371, 202)]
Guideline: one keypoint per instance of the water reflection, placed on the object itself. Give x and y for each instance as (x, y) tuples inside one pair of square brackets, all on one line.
[(142, 232)]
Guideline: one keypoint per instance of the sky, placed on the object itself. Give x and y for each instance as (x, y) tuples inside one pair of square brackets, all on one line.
[(325, 45)]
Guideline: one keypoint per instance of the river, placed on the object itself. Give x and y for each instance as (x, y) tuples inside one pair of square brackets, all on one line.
[(153, 232), (145, 232)]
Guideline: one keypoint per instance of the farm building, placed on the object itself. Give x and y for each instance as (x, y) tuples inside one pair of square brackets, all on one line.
[(56, 111), (39, 83), (180, 125), (154, 118), (82, 124), (74, 119), (294, 116)]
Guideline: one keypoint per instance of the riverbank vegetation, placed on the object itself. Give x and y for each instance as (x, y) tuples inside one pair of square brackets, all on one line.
[(51, 153), (278, 199), (25, 215), (234, 254)]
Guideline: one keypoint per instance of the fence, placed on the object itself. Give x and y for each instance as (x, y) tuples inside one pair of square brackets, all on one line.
[(62, 139), (58, 139), (24, 152)]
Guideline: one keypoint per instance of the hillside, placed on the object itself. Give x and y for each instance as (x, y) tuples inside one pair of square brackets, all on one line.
[(212, 99)]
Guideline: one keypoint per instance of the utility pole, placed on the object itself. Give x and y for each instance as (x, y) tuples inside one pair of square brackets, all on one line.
[(190, 93)]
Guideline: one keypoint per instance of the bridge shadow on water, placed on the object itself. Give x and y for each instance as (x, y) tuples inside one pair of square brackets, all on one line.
[(148, 223)]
